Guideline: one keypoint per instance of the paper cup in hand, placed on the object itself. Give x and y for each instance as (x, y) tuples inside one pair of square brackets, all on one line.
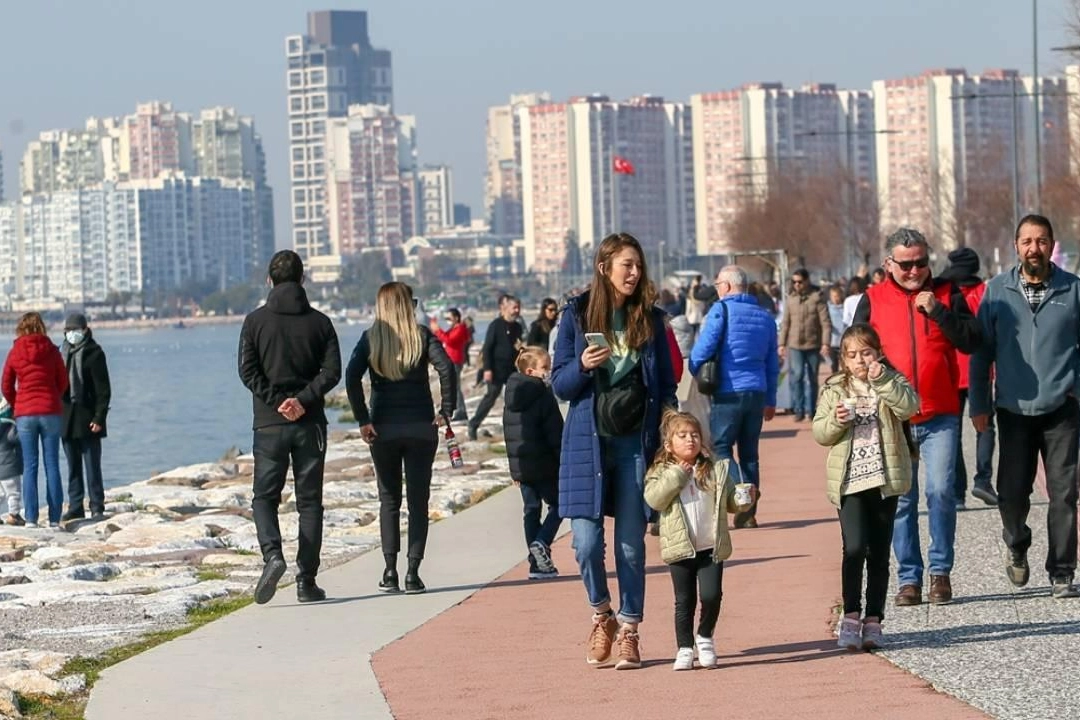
[(743, 495), (850, 404)]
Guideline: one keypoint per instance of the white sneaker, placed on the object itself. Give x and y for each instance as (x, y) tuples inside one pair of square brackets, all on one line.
[(706, 651), (684, 659), (31, 524), (850, 636)]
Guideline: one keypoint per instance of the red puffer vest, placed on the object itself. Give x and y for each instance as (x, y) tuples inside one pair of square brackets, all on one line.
[(916, 347), (973, 294)]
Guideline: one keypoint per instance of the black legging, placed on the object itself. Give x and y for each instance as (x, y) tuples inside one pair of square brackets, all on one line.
[(389, 456), (866, 524), (690, 577)]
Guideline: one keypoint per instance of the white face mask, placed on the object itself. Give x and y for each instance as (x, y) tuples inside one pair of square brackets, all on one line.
[(74, 337)]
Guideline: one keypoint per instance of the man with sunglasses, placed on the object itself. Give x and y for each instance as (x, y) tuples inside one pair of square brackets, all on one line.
[(922, 322), (805, 329)]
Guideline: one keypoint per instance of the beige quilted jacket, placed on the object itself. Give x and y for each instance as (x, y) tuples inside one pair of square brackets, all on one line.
[(662, 488), (897, 401)]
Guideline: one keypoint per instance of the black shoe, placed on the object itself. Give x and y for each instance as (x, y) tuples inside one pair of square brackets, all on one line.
[(389, 582), (307, 591), (1017, 570), (985, 494), (76, 513), (413, 584), (799, 417), (267, 585), (97, 514)]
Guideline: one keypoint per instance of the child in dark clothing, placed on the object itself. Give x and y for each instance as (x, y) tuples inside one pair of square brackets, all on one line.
[(11, 466), (533, 428)]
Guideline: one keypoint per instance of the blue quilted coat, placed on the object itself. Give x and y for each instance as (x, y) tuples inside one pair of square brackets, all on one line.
[(581, 477)]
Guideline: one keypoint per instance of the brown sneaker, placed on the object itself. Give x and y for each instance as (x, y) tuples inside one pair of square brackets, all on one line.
[(627, 652), (601, 638), (940, 590), (14, 519), (909, 595)]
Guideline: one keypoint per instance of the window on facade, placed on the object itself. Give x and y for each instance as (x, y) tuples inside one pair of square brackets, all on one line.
[(300, 212), (318, 128), (297, 154), (294, 45), (296, 78), (298, 195), (318, 102), (296, 104), (316, 58), (296, 129), (317, 77), (298, 170)]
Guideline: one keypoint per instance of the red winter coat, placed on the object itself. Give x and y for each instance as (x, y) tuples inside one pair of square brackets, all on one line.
[(454, 341), (974, 295), (34, 377)]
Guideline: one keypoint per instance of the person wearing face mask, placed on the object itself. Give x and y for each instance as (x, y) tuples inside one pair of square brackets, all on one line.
[(1030, 316), (86, 403), (922, 321)]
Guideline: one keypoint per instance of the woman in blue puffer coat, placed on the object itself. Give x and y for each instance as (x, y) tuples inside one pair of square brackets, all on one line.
[(613, 365)]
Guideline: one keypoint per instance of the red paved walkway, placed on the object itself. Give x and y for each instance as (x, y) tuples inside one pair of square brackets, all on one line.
[(516, 649)]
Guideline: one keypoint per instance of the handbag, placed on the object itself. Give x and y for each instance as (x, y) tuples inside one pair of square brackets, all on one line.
[(620, 407), (708, 375)]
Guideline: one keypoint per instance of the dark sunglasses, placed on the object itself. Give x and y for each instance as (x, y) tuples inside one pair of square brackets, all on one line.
[(907, 265)]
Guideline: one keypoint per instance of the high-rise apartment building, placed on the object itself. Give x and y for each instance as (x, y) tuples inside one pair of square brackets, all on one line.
[(572, 194), (503, 183), (331, 67), (436, 199), (1, 174), (372, 180), (159, 141), (71, 159), (9, 252)]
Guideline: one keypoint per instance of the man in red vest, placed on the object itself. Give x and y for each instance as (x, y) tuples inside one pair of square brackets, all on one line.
[(922, 322)]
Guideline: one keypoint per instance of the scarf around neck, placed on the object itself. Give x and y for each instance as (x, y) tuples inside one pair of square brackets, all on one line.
[(73, 358)]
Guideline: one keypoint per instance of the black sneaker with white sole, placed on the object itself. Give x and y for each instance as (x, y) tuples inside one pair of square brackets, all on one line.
[(1063, 587), (267, 585), (537, 574), (542, 556), (1017, 570)]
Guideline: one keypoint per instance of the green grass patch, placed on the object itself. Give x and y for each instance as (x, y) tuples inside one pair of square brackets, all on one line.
[(208, 574), (72, 707)]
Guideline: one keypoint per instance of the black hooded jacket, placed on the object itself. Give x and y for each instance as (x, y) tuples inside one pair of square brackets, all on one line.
[(288, 349), (532, 427)]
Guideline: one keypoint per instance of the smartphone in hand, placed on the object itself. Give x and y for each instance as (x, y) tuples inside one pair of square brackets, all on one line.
[(596, 339)]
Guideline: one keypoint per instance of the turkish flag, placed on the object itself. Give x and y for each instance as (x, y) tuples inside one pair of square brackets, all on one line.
[(622, 165)]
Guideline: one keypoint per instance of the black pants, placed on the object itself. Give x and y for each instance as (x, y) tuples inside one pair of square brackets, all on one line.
[(984, 455), (866, 523), (85, 452), (494, 389), (1055, 436), (305, 445), (834, 358), (415, 455), (533, 497), (690, 577)]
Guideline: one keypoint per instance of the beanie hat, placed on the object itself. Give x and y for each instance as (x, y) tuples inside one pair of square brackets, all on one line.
[(963, 264), (75, 321)]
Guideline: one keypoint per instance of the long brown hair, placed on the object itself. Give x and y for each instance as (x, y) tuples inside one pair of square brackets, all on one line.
[(396, 342), (30, 324), (669, 424), (639, 326)]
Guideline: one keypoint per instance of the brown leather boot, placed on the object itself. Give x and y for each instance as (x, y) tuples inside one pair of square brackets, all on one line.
[(909, 595), (940, 590)]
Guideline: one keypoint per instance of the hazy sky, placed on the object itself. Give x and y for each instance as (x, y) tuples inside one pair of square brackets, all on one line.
[(64, 60)]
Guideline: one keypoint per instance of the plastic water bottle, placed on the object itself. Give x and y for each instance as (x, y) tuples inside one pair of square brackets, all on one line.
[(452, 448)]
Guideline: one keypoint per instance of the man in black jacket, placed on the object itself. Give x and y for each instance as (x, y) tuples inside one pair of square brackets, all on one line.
[(289, 359), (86, 403), (501, 345)]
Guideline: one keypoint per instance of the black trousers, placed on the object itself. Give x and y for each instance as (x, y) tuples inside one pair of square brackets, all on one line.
[(691, 577), (984, 455), (304, 444), (866, 524), (494, 389), (1023, 438), (415, 456), (533, 497), (85, 452)]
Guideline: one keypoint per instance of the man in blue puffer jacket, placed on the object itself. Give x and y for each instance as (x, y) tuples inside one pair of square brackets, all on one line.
[(742, 337)]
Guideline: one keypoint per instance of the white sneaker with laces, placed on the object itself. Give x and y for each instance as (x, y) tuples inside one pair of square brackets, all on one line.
[(684, 659), (850, 636), (706, 651)]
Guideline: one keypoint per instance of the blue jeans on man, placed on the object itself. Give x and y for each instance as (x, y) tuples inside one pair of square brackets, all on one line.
[(41, 431), (803, 375), (936, 439), (735, 420), (624, 478)]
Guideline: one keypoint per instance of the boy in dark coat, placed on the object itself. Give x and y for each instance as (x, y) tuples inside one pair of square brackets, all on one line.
[(533, 427), (11, 465)]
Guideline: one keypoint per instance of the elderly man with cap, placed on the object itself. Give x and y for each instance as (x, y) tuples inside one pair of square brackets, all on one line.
[(86, 403), (963, 271)]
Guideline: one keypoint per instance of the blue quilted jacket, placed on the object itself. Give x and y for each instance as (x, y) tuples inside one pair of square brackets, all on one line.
[(581, 476), (748, 359)]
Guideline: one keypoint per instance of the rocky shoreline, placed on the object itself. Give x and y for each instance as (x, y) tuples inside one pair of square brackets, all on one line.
[(176, 540)]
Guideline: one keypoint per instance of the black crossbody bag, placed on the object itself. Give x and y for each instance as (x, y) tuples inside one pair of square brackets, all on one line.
[(708, 375)]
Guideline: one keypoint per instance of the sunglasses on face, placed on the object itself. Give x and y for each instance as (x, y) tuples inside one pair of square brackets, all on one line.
[(798, 282), (908, 265)]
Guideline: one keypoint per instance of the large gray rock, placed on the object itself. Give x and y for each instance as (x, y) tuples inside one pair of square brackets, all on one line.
[(9, 705)]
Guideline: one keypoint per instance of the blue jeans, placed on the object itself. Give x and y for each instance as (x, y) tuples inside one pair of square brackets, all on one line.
[(984, 456), (46, 429), (804, 380), (735, 420), (936, 439), (624, 478)]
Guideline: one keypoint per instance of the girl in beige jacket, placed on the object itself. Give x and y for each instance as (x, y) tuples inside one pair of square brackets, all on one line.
[(693, 495), (860, 417)]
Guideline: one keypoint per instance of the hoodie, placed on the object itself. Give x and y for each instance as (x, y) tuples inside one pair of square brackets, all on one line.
[(34, 376), (288, 349), (532, 426)]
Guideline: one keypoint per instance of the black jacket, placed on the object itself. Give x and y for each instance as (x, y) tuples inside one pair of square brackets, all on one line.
[(538, 336), (11, 464), (532, 427), (501, 348), (93, 406), (399, 402), (288, 349)]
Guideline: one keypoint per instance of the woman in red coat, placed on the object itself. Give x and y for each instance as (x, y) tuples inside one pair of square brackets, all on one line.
[(34, 381)]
